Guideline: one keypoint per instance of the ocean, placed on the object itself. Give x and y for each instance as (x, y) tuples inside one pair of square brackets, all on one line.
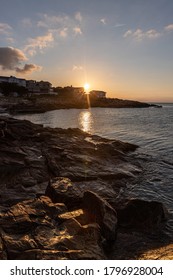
[(150, 128)]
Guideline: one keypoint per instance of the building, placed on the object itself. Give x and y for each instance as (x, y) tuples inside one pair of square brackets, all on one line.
[(98, 94), (31, 85), (18, 81), (44, 86), (38, 87), (4, 79), (14, 80), (70, 92), (74, 90)]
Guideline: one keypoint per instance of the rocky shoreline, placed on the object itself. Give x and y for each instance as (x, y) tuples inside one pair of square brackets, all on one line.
[(61, 197), (44, 103)]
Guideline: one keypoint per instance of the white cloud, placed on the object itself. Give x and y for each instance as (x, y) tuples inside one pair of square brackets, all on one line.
[(77, 68), (62, 25), (169, 27), (77, 31), (140, 35), (78, 17), (5, 29), (103, 20), (38, 43), (49, 21), (152, 34), (127, 33), (64, 32), (120, 24)]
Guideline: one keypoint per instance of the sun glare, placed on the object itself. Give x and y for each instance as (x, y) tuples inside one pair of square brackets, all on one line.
[(86, 121), (86, 87)]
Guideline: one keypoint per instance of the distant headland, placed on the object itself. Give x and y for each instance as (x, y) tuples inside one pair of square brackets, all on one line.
[(28, 96)]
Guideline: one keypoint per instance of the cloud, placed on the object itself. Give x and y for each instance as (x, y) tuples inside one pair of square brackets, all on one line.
[(11, 59), (77, 68), (169, 27), (127, 33), (103, 20), (152, 34), (28, 68), (120, 25), (10, 40), (78, 17), (62, 25), (64, 32), (39, 43), (49, 21), (77, 31), (5, 29), (26, 23), (139, 34)]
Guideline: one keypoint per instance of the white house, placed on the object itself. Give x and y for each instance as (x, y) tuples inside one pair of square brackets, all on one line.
[(32, 85), (11, 79), (18, 81)]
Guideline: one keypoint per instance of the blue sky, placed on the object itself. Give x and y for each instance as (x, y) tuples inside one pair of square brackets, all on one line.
[(121, 46)]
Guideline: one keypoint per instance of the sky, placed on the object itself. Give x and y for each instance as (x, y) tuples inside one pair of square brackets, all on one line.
[(123, 47)]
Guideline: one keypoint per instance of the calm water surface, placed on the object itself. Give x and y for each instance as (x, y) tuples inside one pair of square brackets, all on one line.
[(150, 128)]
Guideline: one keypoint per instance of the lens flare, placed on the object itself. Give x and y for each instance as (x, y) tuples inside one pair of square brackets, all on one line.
[(86, 87)]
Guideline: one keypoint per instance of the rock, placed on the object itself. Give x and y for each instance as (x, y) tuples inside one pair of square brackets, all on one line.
[(63, 190), (41, 254), (141, 215), (43, 103), (31, 156), (24, 216), (101, 212), (33, 228), (3, 255)]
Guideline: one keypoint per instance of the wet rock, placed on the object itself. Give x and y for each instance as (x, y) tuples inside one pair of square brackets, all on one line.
[(34, 228), (141, 215), (101, 212), (63, 190), (24, 216)]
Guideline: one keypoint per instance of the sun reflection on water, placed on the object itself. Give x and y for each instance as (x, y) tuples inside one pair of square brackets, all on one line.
[(86, 121)]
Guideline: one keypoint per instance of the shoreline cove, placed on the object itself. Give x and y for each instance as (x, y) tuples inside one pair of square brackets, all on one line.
[(64, 197)]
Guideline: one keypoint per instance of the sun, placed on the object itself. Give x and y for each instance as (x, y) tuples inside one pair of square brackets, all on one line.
[(86, 87)]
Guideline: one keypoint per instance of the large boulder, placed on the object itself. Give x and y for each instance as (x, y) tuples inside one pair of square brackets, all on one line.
[(101, 212), (141, 215), (64, 190)]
